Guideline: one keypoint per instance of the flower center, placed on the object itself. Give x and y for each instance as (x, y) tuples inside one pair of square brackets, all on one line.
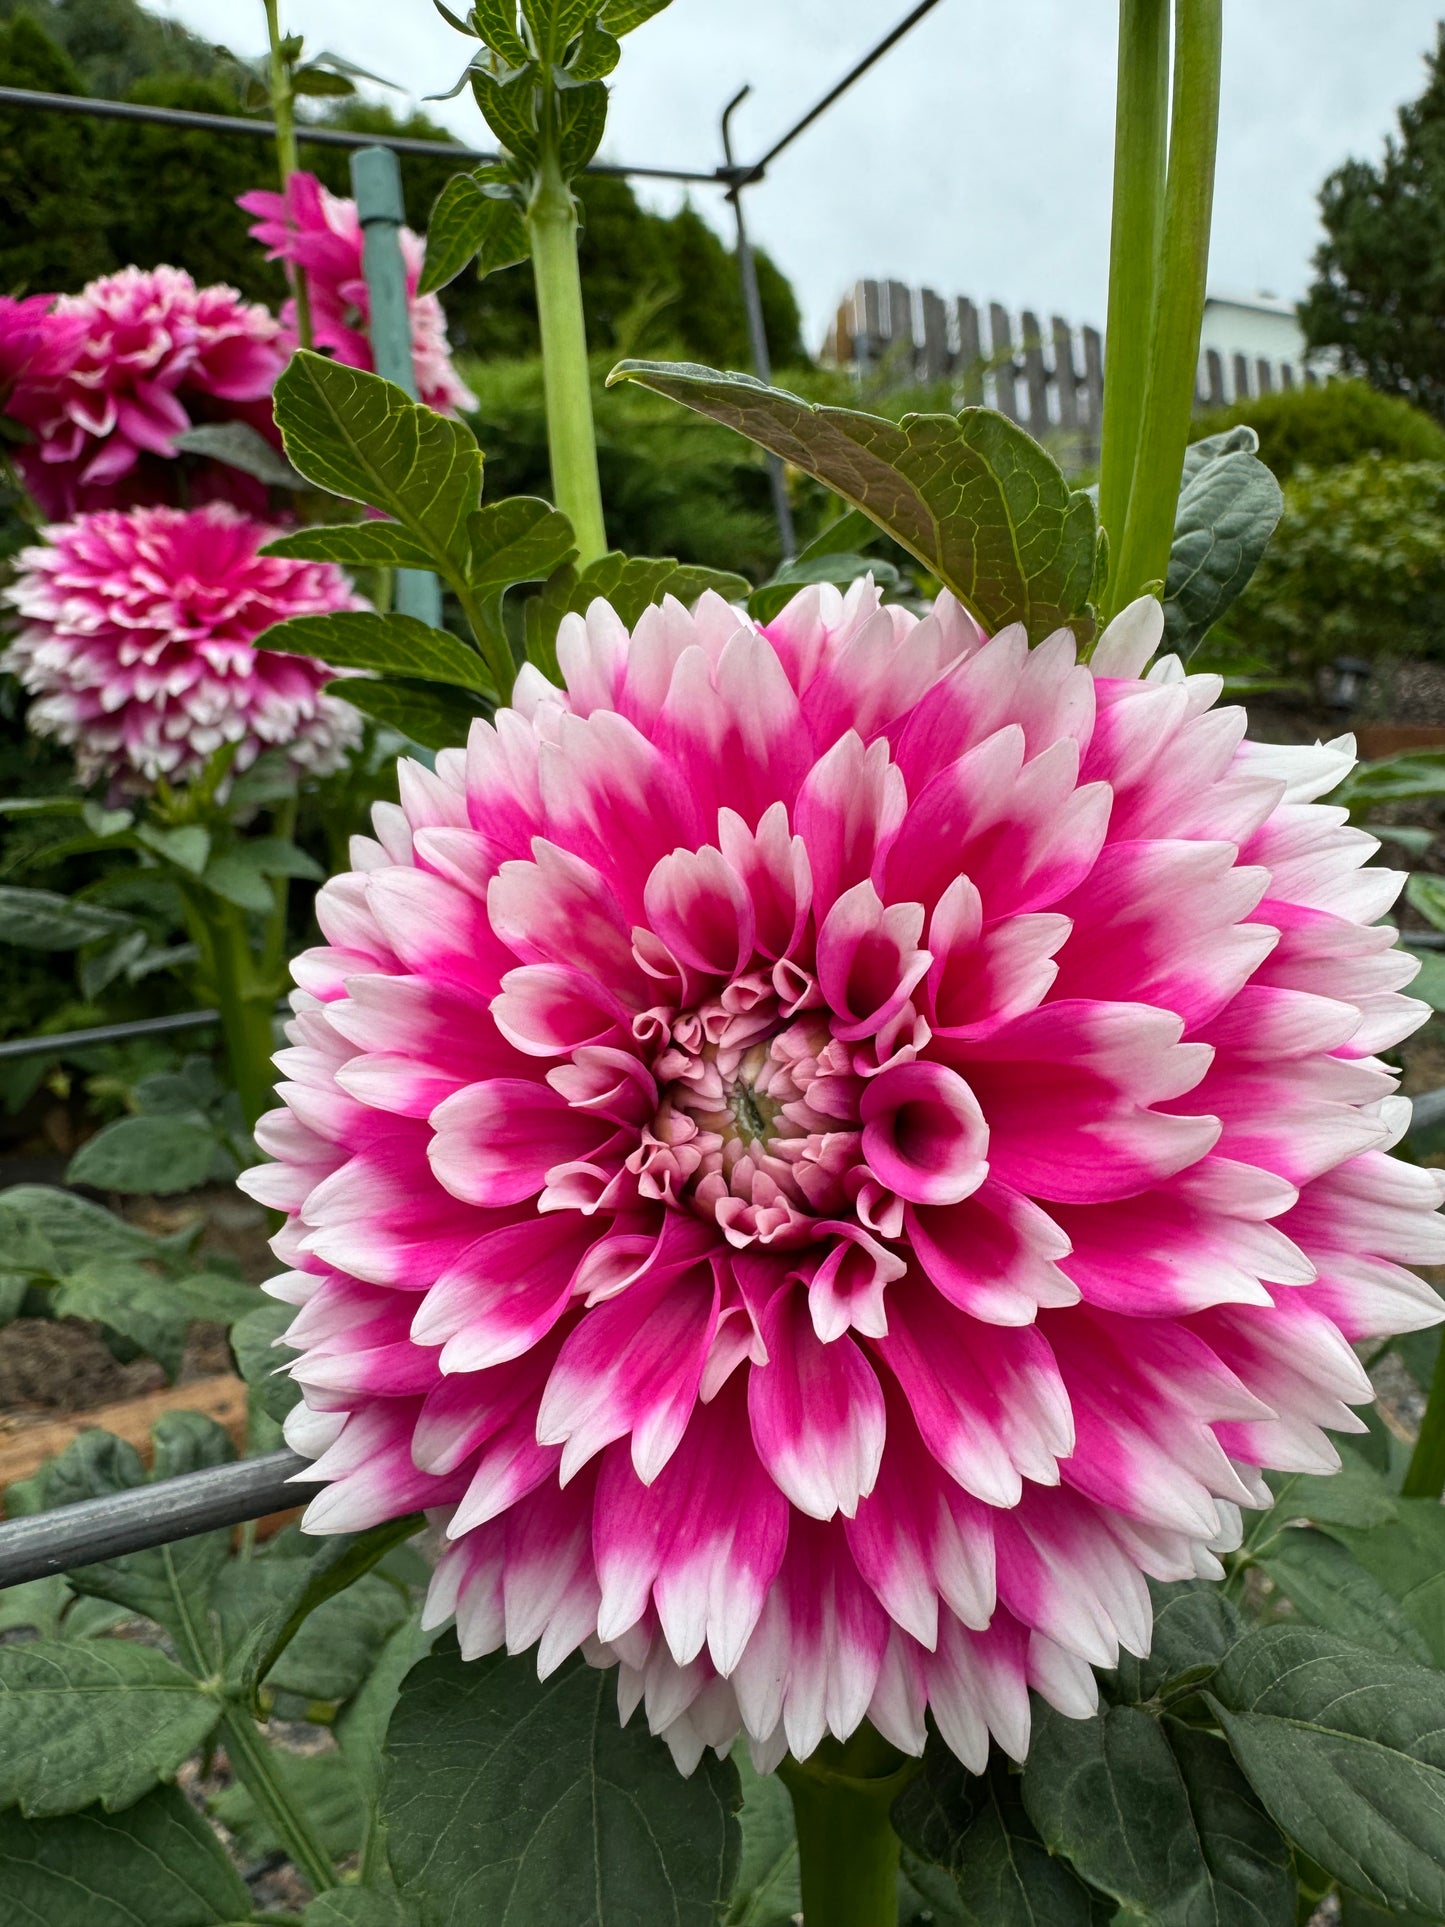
[(756, 1125)]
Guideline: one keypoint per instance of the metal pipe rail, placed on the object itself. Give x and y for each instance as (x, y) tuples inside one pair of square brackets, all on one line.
[(63, 1040), (148, 1516)]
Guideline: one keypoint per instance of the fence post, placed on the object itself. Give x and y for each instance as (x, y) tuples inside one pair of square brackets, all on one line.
[(1001, 360), (970, 352), (376, 185)]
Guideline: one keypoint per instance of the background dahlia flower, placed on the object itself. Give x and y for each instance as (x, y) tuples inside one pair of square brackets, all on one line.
[(321, 234), (127, 365), (830, 1151), (137, 640)]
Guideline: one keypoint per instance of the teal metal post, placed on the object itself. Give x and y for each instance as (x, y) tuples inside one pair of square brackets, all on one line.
[(376, 184)]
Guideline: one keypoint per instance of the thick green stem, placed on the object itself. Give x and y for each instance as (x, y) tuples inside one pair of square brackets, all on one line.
[(245, 997), (254, 1766), (847, 1850), (283, 113), (1179, 302), (1425, 1475), (567, 381), (1141, 132)]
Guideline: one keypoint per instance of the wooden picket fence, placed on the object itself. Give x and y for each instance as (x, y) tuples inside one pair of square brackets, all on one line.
[(1048, 378)]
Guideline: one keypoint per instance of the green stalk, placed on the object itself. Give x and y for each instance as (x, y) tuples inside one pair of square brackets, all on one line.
[(847, 1850), (245, 997), (284, 115), (1141, 129), (255, 1767), (566, 378), (1179, 302), (1425, 1474), (273, 950)]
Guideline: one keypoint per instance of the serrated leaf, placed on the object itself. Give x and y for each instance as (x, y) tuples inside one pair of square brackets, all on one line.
[(187, 846), (93, 1720), (152, 1312), (156, 1155), (65, 1230), (973, 1853), (839, 568), (432, 714), (355, 545), (253, 1341), (359, 1907), (35, 1605), (972, 496), (321, 82), (1329, 1587), (320, 1785), (393, 645), (497, 20), (581, 121), (621, 16), (1427, 894), (1158, 1816), (1346, 1749), (511, 1798), (468, 223), (361, 1727), (1407, 1558), (630, 583), (158, 1863), (1194, 1627), (171, 1584), (240, 881), (310, 1620), (361, 437), (509, 109), (44, 920), (103, 822), (596, 54), (273, 856), (554, 23), (768, 1891), (519, 539), (1229, 506), (239, 445)]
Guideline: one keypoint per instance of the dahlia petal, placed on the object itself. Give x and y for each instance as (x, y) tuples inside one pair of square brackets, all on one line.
[(816, 1411), (495, 1142), (502, 1295), (924, 1134)]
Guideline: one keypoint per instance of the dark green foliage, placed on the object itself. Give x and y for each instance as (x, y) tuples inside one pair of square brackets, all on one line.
[(1357, 567), (116, 43), (1380, 271), (52, 215), (1326, 426)]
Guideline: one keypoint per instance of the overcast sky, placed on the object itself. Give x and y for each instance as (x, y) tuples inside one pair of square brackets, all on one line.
[(975, 157)]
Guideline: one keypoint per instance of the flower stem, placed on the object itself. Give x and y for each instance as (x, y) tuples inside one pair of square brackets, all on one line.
[(244, 996), (847, 1850), (283, 113), (566, 378), (1141, 131), (1425, 1474), (255, 1767), (1179, 302)]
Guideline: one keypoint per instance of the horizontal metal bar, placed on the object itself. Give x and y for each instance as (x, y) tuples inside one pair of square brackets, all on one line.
[(63, 1040), (185, 117), (147, 1515)]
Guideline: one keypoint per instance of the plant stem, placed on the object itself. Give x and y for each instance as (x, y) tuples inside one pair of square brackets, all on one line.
[(283, 113), (847, 1850), (255, 1767), (1179, 302), (273, 952), (245, 997), (1141, 128), (1425, 1474), (566, 378)]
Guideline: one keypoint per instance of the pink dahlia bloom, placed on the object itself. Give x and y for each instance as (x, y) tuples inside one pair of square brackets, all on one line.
[(36, 345), (137, 638), (321, 234), (828, 1152), (128, 363)]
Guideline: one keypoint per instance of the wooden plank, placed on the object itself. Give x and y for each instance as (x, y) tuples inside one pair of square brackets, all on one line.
[(868, 310), (1036, 377), (1066, 376), (936, 359), (1001, 361), (1093, 412), (970, 351), (25, 1446)]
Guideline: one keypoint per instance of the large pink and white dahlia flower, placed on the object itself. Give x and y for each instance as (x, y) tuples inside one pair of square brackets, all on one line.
[(321, 234), (829, 1151), (137, 637), (124, 367)]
